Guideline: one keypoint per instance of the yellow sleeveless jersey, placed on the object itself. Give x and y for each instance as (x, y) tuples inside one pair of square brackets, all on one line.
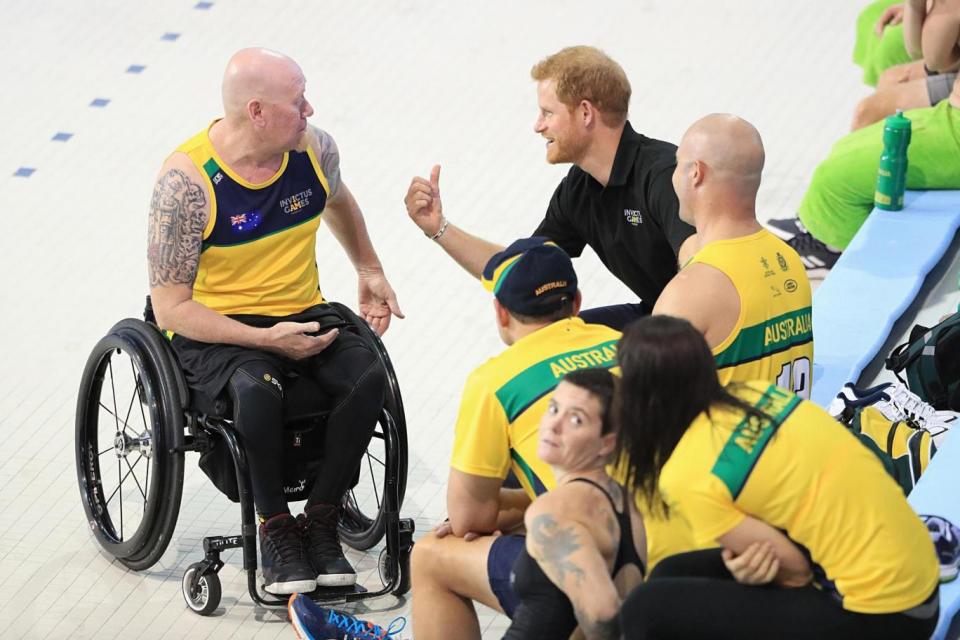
[(805, 474), (259, 246), (504, 399), (773, 337)]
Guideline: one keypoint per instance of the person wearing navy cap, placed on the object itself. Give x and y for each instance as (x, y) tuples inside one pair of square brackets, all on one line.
[(535, 305)]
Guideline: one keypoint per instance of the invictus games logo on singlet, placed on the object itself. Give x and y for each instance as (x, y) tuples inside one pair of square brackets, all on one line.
[(633, 216), (297, 201)]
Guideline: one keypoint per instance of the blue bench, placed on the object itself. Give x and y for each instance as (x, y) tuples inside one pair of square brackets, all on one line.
[(873, 284), (936, 494)]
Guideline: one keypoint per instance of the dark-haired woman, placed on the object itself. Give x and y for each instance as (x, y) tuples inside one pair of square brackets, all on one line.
[(585, 547), (816, 540)]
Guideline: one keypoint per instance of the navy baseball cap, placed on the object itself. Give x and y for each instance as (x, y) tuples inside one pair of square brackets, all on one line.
[(531, 277)]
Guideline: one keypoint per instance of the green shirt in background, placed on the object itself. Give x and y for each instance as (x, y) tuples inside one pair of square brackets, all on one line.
[(876, 54), (840, 195)]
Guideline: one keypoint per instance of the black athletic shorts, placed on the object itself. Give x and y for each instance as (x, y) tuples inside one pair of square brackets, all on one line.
[(208, 366)]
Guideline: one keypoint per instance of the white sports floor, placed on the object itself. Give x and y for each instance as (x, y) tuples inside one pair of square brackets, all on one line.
[(95, 94)]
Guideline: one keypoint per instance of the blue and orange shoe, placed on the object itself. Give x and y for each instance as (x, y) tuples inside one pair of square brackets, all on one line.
[(313, 622)]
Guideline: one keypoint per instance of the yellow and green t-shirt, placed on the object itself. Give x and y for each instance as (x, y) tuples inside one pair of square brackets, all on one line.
[(805, 474), (259, 245), (504, 399), (773, 337)]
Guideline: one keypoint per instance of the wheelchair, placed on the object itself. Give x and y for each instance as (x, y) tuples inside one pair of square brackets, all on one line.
[(137, 417)]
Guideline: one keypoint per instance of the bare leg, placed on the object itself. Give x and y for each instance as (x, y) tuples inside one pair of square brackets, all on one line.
[(906, 95), (901, 73), (448, 575)]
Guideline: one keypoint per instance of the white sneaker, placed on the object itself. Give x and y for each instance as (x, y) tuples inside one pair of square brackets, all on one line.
[(896, 402)]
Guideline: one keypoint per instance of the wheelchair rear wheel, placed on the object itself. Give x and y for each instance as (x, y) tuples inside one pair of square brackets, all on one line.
[(128, 417), (384, 466), (382, 469)]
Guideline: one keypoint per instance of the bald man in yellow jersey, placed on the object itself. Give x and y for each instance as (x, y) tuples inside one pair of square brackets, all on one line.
[(233, 278), (745, 289)]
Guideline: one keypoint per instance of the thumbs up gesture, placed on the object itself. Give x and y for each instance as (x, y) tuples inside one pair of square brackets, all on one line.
[(423, 202)]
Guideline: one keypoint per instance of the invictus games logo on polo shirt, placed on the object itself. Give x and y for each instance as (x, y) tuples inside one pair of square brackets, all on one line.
[(633, 216), (296, 202)]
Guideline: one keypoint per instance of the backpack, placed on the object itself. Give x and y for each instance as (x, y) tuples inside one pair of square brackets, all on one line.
[(904, 451), (931, 363)]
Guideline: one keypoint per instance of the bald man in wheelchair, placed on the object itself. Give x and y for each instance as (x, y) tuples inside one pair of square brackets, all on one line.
[(234, 283)]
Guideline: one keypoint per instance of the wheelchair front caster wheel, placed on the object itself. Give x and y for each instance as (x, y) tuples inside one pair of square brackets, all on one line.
[(388, 568), (201, 591)]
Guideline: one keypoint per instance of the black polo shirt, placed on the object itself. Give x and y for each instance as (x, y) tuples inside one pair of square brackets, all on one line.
[(632, 224)]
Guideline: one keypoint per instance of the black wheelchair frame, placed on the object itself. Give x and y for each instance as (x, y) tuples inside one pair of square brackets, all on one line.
[(181, 420)]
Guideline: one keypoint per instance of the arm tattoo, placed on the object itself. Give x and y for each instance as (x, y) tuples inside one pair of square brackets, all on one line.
[(599, 629), (556, 544), (175, 229), (329, 160), (613, 527)]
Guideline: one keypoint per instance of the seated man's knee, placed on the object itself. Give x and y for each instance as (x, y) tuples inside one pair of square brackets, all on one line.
[(893, 75), (900, 73), (427, 554), (868, 111), (354, 363), (374, 379), (256, 389)]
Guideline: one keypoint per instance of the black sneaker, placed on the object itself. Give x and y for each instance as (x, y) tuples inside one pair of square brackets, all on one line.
[(817, 257), (285, 566), (786, 228), (322, 543)]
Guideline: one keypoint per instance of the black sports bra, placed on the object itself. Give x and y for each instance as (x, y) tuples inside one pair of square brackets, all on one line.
[(626, 552), (545, 612)]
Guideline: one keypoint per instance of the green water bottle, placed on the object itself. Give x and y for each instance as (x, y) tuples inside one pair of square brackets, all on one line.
[(892, 174)]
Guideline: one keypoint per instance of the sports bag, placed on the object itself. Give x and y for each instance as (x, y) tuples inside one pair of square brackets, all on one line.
[(930, 361)]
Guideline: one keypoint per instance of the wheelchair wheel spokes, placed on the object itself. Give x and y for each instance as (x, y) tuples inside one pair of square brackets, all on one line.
[(373, 477), (362, 523), (137, 503), (126, 496), (364, 506), (368, 493), (118, 431), (130, 414)]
